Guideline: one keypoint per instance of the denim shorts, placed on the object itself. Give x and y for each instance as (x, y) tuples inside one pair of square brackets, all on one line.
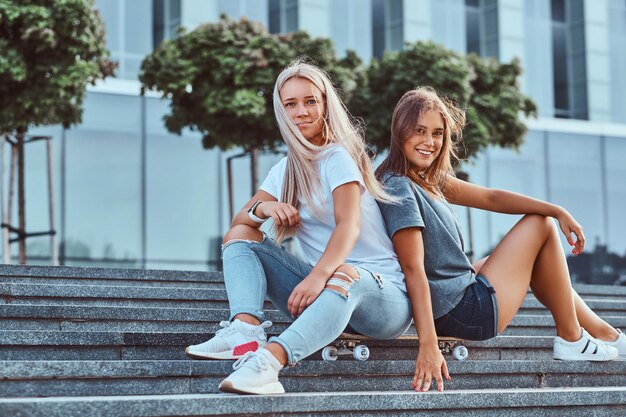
[(476, 315)]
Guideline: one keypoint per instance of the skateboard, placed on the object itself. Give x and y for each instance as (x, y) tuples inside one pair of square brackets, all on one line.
[(353, 344)]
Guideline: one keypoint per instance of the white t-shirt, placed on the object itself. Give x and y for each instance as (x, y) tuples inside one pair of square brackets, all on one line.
[(373, 249)]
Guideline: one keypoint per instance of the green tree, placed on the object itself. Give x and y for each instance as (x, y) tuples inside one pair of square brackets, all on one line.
[(50, 50), (220, 78), (488, 90), (495, 105)]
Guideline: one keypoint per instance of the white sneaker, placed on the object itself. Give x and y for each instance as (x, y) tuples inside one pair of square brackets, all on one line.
[(255, 373), (586, 348), (232, 341), (620, 345)]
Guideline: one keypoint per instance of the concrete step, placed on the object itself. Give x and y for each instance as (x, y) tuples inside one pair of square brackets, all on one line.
[(181, 279), (611, 291), (142, 319), (203, 298), (601, 305), (67, 345), (574, 402), (113, 296), (65, 275), (86, 378)]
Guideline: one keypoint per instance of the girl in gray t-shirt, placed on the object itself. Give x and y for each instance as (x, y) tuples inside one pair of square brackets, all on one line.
[(449, 295)]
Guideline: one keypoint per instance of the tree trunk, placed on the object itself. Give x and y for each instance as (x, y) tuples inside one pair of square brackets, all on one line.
[(21, 197), (254, 163)]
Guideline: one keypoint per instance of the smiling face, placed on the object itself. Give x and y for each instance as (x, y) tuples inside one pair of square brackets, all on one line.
[(423, 147), (304, 103)]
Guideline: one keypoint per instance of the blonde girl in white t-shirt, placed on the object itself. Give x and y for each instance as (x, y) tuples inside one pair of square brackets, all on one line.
[(324, 193)]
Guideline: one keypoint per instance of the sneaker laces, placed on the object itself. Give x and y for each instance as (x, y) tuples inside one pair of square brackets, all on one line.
[(251, 360), (225, 328)]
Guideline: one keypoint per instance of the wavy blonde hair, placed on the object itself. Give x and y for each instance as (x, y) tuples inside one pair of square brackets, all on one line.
[(301, 177), (407, 114)]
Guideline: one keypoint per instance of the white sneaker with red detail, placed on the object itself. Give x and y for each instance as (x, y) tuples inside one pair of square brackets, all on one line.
[(255, 373), (232, 341), (587, 348), (620, 345)]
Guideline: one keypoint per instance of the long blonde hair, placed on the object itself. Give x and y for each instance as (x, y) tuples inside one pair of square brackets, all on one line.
[(301, 178), (409, 110)]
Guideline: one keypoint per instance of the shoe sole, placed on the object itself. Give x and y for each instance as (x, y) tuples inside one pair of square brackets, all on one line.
[(584, 359), (214, 356), (273, 388)]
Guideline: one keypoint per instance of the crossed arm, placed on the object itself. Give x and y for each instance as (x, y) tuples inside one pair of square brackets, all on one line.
[(347, 214)]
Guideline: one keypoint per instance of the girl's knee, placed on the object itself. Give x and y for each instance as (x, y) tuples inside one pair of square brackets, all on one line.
[(541, 222), (342, 280), (243, 232)]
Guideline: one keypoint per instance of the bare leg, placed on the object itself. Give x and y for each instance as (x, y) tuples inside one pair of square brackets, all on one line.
[(531, 252), (278, 351), (587, 318)]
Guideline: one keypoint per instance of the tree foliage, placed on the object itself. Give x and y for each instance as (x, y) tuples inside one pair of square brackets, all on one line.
[(495, 105), (49, 51), (220, 79), (486, 89)]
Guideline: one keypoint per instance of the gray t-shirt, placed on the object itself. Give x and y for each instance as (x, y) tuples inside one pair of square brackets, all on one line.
[(448, 269)]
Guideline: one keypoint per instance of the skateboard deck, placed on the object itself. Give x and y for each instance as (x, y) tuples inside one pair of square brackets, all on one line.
[(356, 346)]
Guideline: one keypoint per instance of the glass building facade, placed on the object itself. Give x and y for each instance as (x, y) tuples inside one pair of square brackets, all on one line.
[(128, 193)]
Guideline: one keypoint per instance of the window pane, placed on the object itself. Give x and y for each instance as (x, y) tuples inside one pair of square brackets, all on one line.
[(396, 38), (183, 196), (395, 10), (291, 16), (132, 67), (274, 16), (478, 238), (103, 182), (174, 9), (576, 185), (158, 23), (378, 22), (520, 172), (138, 26), (616, 193), (558, 10), (473, 30), (559, 58), (109, 10), (575, 181)]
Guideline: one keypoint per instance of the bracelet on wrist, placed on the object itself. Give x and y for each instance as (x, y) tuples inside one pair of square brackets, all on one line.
[(251, 214)]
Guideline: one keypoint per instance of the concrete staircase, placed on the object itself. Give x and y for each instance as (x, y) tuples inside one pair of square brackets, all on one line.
[(110, 342)]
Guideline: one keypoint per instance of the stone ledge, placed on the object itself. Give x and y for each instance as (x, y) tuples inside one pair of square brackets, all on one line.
[(502, 401), (203, 315), (17, 370), (107, 273), (51, 293), (105, 292), (70, 338), (201, 276)]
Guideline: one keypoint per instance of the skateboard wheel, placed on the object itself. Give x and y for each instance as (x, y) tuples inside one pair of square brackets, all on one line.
[(361, 353), (460, 353), (329, 353)]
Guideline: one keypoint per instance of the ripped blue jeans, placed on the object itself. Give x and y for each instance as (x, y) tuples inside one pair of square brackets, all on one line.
[(374, 307)]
